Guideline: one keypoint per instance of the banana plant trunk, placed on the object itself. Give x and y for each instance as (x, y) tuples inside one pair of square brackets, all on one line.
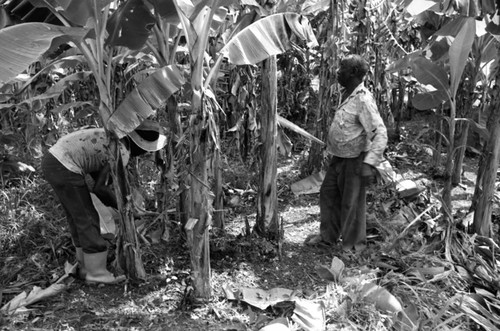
[(128, 251), (449, 162), (200, 200), (327, 78), (267, 206), (485, 184), (459, 157)]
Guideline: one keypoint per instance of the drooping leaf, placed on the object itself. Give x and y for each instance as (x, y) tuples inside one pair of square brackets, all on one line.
[(145, 99), (297, 129), (130, 25), (428, 73), (459, 52), (266, 37), (23, 44), (67, 62)]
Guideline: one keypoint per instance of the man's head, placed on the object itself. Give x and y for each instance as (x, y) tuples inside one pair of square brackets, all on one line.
[(352, 70)]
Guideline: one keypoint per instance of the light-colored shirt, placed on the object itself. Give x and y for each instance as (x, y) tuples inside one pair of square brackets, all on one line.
[(85, 151), (357, 127)]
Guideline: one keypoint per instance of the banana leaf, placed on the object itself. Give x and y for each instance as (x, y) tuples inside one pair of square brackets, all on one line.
[(145, 99), (268, 36), (130, 25), (76, 12), (23, 44)]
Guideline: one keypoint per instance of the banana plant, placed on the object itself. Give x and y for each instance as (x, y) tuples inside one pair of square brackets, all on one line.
[(86, 25), (442, 86), (249, 43)]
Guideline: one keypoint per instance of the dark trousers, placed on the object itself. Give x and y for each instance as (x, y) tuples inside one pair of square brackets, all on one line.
[(342, 203), (72, 191)]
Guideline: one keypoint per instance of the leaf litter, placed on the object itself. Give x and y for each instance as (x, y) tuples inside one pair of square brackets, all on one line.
[(418, 272)]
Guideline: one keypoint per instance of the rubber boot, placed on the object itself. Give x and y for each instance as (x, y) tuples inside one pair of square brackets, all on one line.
[(82, 272), (95, 264)]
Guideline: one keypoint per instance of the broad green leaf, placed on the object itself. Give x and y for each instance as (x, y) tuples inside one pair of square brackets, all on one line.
[(130, 25), (66, 62), (166, 9), (453, 27), (459, 52), (403, 63), (145, 99), (429, 100), (23, 44), (266, 37), (486, 48), (184, 11), (428, 73), (75, 11), (438, 49)]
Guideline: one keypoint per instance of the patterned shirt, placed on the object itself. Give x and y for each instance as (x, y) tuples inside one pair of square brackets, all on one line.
[(357, 127), (85, 151)]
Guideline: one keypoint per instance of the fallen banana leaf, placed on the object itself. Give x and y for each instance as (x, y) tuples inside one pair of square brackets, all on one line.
[(23, 299), (279, 324), (383, 299), (309, 315), (308, 185), (262, 299)]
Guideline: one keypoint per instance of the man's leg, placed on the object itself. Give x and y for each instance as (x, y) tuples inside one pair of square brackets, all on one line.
[(330, 203), (72, 191), (353, 214)]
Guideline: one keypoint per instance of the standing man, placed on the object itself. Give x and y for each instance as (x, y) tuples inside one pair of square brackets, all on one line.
[(85, 152), (356, 140)]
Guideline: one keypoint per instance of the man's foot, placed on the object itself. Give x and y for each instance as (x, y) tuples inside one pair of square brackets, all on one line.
[(105, 279), (316, 240)]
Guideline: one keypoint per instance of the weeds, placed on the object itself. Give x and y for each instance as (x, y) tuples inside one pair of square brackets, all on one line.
[(32, 235)]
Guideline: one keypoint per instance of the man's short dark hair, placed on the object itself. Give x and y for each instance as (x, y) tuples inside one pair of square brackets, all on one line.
[(358, 63)]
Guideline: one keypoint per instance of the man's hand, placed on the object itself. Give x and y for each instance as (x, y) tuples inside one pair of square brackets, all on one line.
[(368, 175)]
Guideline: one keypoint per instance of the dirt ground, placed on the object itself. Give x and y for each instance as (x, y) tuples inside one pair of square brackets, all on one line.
[(162, 301)]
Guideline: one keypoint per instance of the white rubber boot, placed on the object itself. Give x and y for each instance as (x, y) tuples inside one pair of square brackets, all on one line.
[(97, 273), (82, 272)]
